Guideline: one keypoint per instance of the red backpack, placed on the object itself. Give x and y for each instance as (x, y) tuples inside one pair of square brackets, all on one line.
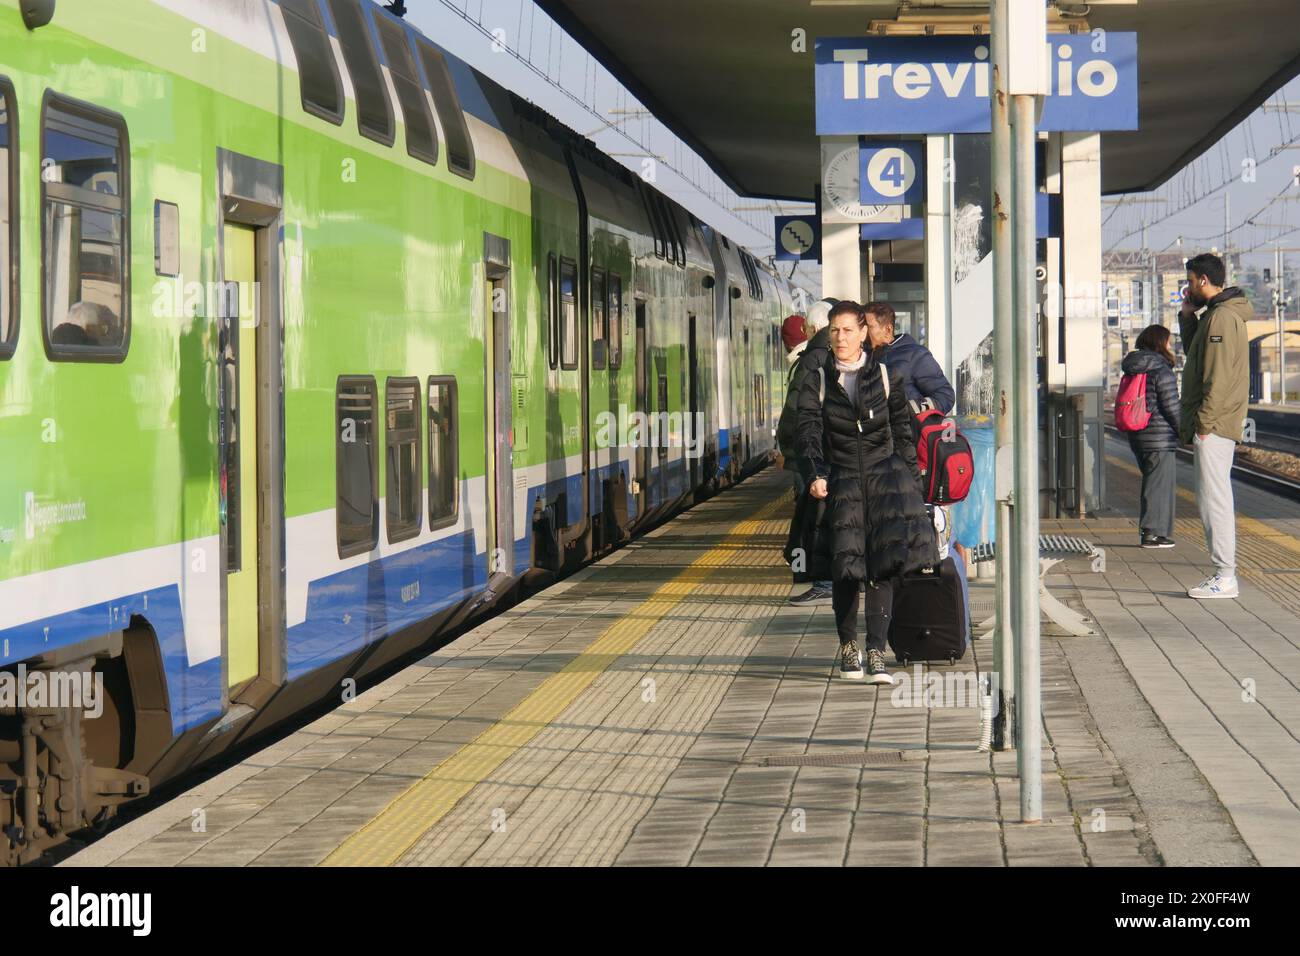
[(1131, 413), (944, 457)]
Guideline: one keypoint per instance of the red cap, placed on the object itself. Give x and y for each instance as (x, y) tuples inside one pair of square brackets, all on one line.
[(792, 332)]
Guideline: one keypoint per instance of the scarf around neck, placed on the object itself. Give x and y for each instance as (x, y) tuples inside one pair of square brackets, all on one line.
[(851, 366)]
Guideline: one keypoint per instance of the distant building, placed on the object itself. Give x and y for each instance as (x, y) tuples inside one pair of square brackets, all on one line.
[(1143, 289), (1130, 304)]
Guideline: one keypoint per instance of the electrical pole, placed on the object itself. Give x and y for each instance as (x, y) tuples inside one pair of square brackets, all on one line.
[(1227, 260), (1281, 323)]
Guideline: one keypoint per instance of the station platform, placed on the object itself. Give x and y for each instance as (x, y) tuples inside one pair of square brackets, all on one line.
[(667, 706)]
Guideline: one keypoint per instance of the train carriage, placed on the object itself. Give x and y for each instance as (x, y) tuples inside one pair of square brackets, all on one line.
[(315, 343)]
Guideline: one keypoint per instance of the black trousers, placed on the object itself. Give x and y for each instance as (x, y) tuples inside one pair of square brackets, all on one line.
[(878, 605)]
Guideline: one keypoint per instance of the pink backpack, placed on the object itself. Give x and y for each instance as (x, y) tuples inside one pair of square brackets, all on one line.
[(1131, 413)]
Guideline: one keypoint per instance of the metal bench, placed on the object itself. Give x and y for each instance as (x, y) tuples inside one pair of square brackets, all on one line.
[(1052, 550)]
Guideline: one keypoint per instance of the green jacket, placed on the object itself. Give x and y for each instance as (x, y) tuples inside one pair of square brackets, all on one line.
[(788, 423), (1216, 378)]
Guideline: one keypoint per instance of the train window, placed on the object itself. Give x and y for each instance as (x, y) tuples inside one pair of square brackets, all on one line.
[(402, 440), (614, 315), (374, 111), (319, 86), (670, 234), (568, 314), (444, 443), (356, 508), (662, 397), (421, 137), (166, 238), (675, 232), (599, 331), (460, 147), (552, 312), (8, 219), (85, 196), (655, 226)]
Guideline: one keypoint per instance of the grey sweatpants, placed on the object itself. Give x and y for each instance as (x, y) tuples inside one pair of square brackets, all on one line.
[(1159, 492), (1214, 498)]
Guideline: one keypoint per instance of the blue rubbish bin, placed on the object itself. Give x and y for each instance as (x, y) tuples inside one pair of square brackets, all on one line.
[(974, 520)]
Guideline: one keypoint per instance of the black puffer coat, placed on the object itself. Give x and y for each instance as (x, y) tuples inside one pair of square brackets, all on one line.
[(865, 446), (1161, 433)]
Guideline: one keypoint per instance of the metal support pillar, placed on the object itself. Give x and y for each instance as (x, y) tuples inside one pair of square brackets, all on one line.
[(1025, 516), (1005, 414)]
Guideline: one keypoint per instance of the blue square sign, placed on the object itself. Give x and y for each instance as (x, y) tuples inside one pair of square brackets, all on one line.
[(892, 173), (798, 237)]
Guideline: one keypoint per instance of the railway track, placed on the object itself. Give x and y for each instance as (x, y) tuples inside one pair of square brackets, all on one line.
[(1251, 473)]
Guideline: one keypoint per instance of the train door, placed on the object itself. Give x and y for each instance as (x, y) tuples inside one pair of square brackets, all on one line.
[(239, 474), (748, 381), (641, 458), (692, 433), (499, 472), (251, 425)]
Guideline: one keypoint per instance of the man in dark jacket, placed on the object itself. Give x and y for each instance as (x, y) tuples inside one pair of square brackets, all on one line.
[(922, 377), (1154, 446)]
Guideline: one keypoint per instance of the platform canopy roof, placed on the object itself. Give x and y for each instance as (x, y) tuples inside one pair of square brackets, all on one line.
[(722, 76)]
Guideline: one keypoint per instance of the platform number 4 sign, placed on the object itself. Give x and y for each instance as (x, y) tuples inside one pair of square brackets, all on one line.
[(892, 173)]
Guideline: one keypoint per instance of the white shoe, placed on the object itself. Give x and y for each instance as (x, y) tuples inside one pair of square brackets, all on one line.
[(1215, 586)]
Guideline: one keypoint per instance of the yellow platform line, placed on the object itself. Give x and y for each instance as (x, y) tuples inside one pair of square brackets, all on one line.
[(409, 816), (1245, 524)]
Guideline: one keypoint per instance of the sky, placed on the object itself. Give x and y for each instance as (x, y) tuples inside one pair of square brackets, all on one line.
[(1191, 204), (523, 49)]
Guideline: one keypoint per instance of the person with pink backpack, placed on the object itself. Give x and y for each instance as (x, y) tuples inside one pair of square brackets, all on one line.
[(1146, 408)]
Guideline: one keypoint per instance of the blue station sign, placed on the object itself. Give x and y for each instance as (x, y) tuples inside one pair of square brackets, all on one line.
[(798, 238), (941, 84)]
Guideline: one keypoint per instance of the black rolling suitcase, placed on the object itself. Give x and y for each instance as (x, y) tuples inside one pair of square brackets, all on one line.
[(929, 619)]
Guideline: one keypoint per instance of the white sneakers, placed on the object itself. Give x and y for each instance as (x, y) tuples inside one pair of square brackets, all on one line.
[(1215, 586)]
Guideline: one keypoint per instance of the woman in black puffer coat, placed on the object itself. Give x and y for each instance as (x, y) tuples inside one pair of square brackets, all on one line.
[(856, 445), (1154, 446)]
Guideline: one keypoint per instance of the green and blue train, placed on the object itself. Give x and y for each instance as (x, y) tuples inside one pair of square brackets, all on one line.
[(315, 343)]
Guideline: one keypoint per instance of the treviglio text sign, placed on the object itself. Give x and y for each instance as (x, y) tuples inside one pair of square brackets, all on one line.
[(941, 84)]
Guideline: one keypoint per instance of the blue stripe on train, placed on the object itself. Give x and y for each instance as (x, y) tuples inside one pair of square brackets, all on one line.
[(345, 611), (195, 692)]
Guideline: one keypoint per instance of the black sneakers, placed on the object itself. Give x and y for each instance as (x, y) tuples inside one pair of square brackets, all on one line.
[(850, 661), (876, 670), (1156, 541), (815, 596)]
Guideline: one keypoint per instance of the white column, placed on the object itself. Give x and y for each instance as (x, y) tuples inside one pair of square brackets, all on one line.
[(1084, 318), (841, 234), (938, 251), (842, 260)]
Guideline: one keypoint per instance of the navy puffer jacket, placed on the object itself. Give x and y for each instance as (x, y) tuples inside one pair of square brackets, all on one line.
[(921, 374), (1161, 433)]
